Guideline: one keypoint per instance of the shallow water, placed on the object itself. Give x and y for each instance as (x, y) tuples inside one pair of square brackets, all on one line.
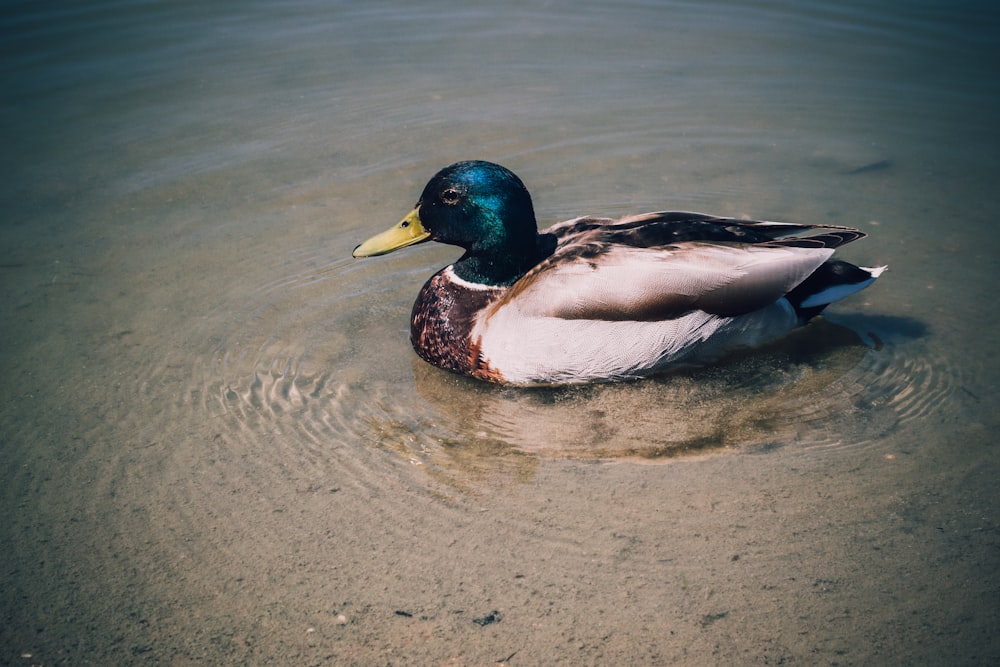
[(218, 446)]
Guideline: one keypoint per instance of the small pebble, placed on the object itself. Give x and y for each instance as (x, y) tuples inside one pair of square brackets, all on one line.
[(341, 619)]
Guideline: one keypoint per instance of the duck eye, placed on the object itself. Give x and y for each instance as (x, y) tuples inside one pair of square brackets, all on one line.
[(450, 196)]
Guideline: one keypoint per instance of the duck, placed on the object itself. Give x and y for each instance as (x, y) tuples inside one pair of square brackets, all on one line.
[(597, 299)]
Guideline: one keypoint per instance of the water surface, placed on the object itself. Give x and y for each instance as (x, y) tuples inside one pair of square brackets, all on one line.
[(218, 446)]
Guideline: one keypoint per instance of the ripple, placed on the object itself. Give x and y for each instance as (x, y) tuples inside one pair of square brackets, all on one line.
[(313, 379), (317, 365), (820, 388)]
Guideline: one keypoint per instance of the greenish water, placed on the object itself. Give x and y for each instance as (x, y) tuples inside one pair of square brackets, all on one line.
[(218, 447)]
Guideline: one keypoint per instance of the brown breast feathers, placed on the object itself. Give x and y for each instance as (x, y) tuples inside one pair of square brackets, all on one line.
[(441, 324)]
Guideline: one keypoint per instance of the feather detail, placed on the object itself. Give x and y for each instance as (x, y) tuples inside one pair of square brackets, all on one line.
[(648, 284), (547, 350)]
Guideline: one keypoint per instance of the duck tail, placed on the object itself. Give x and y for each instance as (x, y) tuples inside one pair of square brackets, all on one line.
[(831, 282)]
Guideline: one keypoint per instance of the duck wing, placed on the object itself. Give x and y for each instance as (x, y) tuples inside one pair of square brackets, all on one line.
[(660, 266), (665, 227)]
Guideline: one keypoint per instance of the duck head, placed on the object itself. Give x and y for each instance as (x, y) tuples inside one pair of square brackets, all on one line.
[(476, 205)]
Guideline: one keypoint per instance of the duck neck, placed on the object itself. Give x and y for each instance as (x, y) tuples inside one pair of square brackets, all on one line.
[(501, 271), (504, 268)]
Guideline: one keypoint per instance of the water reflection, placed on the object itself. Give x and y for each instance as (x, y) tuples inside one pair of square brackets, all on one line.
[(782, 393), (321, 355)]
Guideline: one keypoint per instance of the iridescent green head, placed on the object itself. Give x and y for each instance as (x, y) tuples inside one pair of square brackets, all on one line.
[(479, 206)]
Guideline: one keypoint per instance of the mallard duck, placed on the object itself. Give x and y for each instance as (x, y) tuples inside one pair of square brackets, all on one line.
[(596, 299)]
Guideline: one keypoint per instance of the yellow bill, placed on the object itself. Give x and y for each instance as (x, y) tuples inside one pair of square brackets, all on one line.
[(406, 232)]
